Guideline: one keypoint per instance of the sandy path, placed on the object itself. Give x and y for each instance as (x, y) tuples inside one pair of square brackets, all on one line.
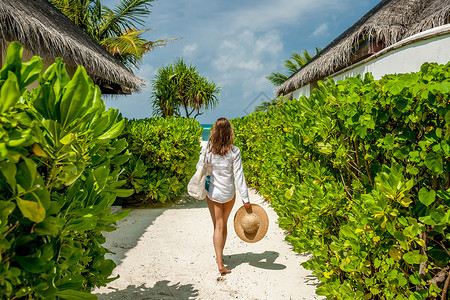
[(167, 253)]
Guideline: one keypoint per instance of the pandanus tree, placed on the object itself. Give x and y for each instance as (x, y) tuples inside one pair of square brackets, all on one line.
[(115, 29), (178, 89)]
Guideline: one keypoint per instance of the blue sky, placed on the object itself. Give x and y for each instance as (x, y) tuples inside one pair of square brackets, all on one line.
[(236, 44)]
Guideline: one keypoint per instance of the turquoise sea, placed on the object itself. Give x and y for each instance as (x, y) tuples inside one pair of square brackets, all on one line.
[(206, 131)]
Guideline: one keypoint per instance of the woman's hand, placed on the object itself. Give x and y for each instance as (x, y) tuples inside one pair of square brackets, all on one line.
[(247, 205)]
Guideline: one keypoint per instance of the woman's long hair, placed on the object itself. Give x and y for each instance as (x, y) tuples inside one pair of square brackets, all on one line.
[(221, 138)]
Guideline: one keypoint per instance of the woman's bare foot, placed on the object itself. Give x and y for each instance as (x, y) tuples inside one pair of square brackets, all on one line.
[(223, 270)]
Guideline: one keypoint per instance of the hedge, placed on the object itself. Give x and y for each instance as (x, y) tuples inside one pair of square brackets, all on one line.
[(359, 174), (59, 168), (164, 152)]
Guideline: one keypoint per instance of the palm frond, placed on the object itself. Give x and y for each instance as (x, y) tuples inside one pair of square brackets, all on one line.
[(306, 55), (277, 78), (126, 15), (292, 65)]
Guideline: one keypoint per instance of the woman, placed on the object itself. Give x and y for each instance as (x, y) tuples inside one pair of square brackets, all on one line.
[(226, 172)]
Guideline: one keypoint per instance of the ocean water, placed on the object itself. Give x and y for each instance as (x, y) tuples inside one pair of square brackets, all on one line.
[(206, 131)]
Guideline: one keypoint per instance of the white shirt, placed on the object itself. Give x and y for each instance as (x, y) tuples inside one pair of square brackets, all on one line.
[(226, 172)]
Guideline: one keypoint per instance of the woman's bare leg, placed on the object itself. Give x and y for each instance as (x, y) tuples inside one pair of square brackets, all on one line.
[(219, 215), (227, 207)]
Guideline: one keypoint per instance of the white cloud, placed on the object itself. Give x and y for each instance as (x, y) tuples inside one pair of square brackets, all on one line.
[(243, 57), (146, 72), (189, 50), (320, 30)]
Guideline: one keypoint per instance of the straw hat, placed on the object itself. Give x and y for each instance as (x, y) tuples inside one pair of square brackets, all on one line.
[(251, 227)]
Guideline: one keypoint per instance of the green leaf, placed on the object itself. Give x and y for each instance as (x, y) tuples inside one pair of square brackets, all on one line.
[(395, 87), (399, 236), (32, 264), (415, 278), (9, 170), (427, 197), (438, 215), (434, 162), (6, 208), (114, 132), (414, 257), (116, 217), (31, 210), (45, 102), (31, 183), (30, 71), (427, 220), (395, 253), (9, 93), (105, 266), (13, 59), (123, 192), (80, 224), (374, 291), (50, 226), (322, 291), (447, 117), (445, 87), (73, 100)]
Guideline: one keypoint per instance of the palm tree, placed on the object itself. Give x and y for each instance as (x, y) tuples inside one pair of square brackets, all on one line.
[(114, 29), (292, 65), (164, 103), (179, 86)]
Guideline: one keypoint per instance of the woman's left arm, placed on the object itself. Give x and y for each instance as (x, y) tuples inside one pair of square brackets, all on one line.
[(239, 177)]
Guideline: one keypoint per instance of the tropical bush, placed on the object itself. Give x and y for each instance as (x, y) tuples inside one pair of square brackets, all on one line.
[(164, 153), (359, 174), (58, 177)]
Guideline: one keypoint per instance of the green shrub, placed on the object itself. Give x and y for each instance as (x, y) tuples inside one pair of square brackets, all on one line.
[(58, 178), (164, 153), (359, 174)]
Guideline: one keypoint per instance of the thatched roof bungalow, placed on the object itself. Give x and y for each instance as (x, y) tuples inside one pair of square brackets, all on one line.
[(375, 44), (44, 31)]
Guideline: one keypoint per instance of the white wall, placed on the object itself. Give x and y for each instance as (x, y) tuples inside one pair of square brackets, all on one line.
[(303, 91), (406, 59)]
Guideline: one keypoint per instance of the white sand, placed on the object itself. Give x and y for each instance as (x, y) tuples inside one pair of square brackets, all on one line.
[(167, 253)]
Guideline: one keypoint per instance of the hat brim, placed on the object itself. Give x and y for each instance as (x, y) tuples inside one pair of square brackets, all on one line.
[(263, 224)]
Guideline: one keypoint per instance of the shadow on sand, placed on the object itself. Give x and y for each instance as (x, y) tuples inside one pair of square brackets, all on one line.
[(161, 290), (265, 260), (130, 229)]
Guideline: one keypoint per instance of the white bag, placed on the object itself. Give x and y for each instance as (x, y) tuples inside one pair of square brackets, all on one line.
[(196, 186)]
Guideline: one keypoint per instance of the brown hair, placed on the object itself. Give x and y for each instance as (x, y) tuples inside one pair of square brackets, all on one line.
[(222, 137)]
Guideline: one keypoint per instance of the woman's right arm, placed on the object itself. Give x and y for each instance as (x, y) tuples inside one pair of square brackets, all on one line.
[(200, 160)]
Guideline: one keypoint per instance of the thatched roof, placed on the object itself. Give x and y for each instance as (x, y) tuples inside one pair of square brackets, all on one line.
[(390, 21), (44, 30)]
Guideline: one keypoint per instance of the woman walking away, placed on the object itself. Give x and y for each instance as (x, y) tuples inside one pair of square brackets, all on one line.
[(226, 172)]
